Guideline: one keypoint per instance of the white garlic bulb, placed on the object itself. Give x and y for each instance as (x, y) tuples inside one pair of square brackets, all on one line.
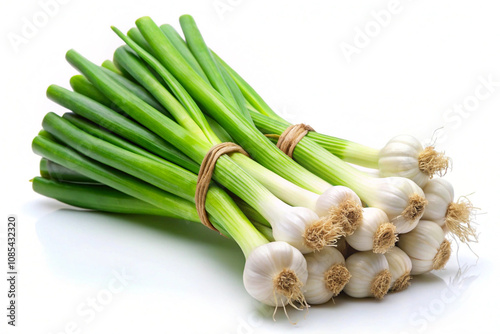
[(454, 217), (375, 232), (370, 275), (401, 199), (400, 268), (439, 193), (275, 274), (341, 206), (301, 228), (426, 246), (404, 156), (327, 275)]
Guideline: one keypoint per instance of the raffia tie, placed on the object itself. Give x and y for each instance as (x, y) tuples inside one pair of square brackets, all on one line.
[(291, 137), (205, 176)]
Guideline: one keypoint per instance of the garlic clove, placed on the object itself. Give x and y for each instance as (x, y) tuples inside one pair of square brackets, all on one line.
[(341, 206), (404, 156), (453, 217), (439, 192), (327, 275), (301, 228), (401, 199), (275, 274), (375, 232), (370, 275), (400, 267), (426, 246)]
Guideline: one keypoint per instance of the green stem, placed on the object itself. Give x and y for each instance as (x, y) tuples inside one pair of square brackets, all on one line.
[(226, 173), (120, 125), (70, 159), (181, 46), (166, 176), (139, 71), (99, 197), (99, 132), (248, 92), (225, 114), (136, 89), (222, 83), (283, 189), (344, 149), (85, 87), (135, 35), (253, 168), (82, 86), (61, 175), (108, 64), (53, 171), (188, 114), (219, 205)]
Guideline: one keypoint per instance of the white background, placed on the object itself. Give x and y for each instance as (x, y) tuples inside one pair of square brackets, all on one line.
[(184, 279)]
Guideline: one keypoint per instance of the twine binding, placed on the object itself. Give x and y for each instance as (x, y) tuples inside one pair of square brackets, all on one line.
[(291, 137), (205, 176)]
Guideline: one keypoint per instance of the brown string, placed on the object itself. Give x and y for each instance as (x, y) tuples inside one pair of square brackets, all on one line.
[(205, 176), (291, 137)]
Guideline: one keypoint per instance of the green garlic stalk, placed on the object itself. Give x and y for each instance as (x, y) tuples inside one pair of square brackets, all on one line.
[(401, 199), (99, 197), (286, 268)]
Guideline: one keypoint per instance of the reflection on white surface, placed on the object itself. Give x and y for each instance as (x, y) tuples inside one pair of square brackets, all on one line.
[(83, 245), (178, 268)]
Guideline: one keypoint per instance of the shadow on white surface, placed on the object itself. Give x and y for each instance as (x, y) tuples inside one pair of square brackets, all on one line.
[(84, 245)]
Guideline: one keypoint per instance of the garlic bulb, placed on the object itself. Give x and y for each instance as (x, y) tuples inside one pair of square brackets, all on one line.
[(400, 267), (452, 216), (300, 227), (342, 207), (275, 274), (404, 156), (327, 275), (370, 275), (401, 199), (375, 232), (426, 246)]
